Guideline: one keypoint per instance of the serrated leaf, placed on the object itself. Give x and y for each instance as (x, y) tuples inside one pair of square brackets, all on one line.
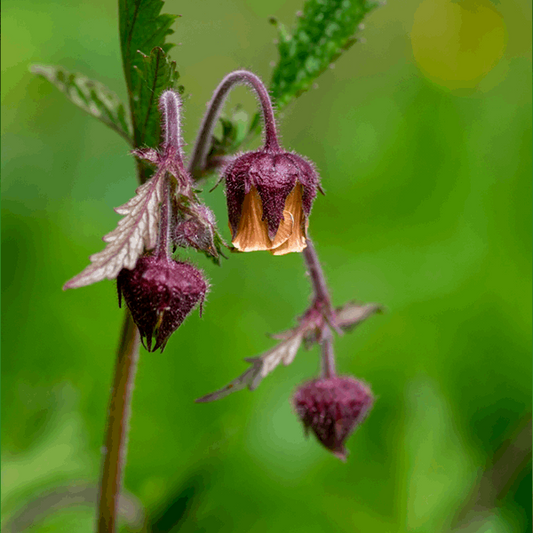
[(155, 73), (261, 366), (324, 30), (142, 28), (89, 95), (135, 232)]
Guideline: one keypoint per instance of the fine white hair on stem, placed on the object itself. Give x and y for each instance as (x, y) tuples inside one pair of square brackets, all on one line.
[(237, 77), (169, 106)]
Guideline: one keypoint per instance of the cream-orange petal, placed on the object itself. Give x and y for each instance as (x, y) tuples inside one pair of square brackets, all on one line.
[(298, 238), (252, 232)]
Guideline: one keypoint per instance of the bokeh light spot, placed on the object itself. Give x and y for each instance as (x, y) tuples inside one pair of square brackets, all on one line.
[(457, 43)]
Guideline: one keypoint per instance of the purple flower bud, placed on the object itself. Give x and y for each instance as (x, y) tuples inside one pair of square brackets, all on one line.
[(269, 196), (332, 408), (196, 227), (160, 293)]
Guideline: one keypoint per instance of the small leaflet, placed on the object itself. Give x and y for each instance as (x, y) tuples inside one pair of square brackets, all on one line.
[(90, 95), (353, 313), (135, 232), (261, 366)]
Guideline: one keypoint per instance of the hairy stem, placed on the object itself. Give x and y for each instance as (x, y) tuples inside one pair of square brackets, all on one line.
[(203, 141), (114, 451), (114, 455), (322, 301), (328, 354), (163, 240), (316, 274), (169, 107)]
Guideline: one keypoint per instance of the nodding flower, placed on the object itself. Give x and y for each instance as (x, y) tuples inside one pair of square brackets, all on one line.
[(269, 195), (333, 408), (160, 293), (270, 191)]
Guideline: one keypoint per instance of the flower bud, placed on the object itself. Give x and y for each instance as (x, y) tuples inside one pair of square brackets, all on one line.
[(196, 227), (160, 293), (269, 196), (332, 408)]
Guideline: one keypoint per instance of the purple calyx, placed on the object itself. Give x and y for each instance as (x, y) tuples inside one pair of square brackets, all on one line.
[(274, 175), (332, 408), (160, 293)]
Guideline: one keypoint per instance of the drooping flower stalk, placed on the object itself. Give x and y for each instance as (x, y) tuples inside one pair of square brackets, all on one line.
[(269, 194), (160, 291), (203, 141)]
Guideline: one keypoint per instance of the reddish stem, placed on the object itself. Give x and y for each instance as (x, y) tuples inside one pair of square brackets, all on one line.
[(114, 455), (163, 241), (318, 280), (114, 451), (203, 143), (322, 302), (169, 107), (328, 354)]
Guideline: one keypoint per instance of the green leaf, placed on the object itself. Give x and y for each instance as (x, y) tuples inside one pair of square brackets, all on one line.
[(324, 30), (141, 28), (235, 129), (155, 74), (89, 95), (143, 32)]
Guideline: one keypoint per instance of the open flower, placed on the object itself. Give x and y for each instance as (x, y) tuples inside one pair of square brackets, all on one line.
[(160, 293), (332, 408), (269, 196)]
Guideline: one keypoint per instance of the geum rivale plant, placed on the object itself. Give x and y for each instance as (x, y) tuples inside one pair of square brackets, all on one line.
[(269, 193)]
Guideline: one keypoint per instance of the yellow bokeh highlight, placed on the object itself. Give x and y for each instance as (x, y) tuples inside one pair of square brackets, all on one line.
[(457, 42)]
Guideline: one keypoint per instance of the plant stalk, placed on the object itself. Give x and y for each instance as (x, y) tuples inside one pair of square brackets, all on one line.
[(162, 250), (328, 354), (114, 454), (203, 141), (114, 450), (318, 280), (322, 302)]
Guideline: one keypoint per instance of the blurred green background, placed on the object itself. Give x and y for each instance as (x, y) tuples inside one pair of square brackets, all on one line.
[(422, 135)]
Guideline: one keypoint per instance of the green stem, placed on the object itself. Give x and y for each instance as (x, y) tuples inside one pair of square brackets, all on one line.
[(114, 452)]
